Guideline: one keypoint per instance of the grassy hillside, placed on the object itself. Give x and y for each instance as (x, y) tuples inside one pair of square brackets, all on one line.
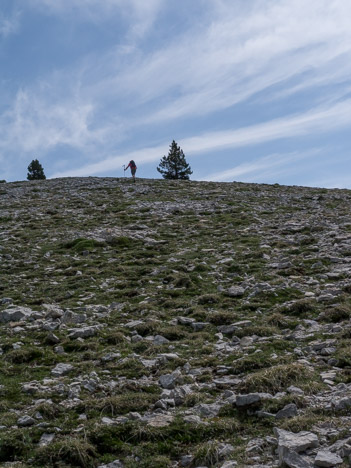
[(134, 317)]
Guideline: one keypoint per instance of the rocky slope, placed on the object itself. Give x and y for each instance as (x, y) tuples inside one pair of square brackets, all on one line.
[(174, 324)]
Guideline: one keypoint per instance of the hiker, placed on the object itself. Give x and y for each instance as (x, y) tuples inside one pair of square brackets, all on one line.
[(133, 168)]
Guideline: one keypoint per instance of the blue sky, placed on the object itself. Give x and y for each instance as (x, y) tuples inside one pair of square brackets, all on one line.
[(252, 91)]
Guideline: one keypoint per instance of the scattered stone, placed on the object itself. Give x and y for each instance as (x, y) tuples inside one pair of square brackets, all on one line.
[(114, 464), (15, 314), (289, 411), (236, 291), (207, 411), (327, 459), (243, 401), (46, 439), (168, 381), (84, 332), (61, 370), (25, 421)]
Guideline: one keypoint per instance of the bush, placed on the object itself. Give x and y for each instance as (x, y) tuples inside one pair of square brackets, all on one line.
[(71, 450), (24, 355), (81, 244)]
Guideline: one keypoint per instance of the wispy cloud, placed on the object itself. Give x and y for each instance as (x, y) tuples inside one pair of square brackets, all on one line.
[(231, 54), (232, 57), (113, 163), (259, 169), (9, 25), (31, 125), (312, 122)]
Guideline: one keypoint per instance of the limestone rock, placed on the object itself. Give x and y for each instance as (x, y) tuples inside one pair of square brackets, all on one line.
[(15, 314), (327, 459), (289, 411), (61, 369)]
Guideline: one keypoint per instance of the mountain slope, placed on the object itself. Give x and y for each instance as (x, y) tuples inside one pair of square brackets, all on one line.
[(174, 323)]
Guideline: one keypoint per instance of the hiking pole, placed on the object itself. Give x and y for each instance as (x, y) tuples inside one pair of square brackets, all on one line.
[(124, 170)]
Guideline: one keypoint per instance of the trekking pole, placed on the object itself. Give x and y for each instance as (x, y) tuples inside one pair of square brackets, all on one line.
[(124, 170)]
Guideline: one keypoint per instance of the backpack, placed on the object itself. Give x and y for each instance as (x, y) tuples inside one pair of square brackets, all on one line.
[(132, 164)]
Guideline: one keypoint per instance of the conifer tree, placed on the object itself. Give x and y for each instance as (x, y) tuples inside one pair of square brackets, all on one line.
[(174, 166), (35, 171)]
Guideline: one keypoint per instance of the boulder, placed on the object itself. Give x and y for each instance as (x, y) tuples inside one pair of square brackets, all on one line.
[(290, 444), (327, 459), (250, 399), (15, 314)]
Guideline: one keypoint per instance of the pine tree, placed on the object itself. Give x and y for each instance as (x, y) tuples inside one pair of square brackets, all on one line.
[(35, 171), (174, 166)]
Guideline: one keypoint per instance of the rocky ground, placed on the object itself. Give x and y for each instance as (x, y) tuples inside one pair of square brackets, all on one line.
[(174, 324)]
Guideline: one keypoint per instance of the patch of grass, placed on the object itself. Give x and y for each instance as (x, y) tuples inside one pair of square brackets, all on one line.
[(113, 337), (25, 354), (254, 362), (222, 317), (343, 355), (277, 378), (121, 404), (122, 242), (299, 308), (258, 330), (336, 314), (278, 319), (81, 244), (208, 299), (303, 422), (207, 454), (71, 450), (15, 444)]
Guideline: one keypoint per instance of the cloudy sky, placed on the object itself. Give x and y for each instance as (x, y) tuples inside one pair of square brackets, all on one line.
[(252, 91)]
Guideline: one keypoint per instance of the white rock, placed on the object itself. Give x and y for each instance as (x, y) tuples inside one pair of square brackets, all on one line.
[(61, 369), (327, 459)]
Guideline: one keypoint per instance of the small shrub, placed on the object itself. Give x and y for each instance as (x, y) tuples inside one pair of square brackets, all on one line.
[(81, 244), (172, 333), (208, 299), (336, 314), (71, 450), (121, 242), (207, 454), (278, 320), (14, 445), (298, 308), (147, 328), (24, 355), (344, 358), (221, 318), (114, 337)]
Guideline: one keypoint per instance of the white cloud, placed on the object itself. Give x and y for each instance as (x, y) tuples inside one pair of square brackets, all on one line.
[(33, 125), (233, 57), (233, 51), (113, 163), (315, 121), (9, 25), (312, 122), (260, 169)]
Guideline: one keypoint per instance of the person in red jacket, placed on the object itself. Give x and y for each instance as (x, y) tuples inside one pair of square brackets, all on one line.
[(133, 168)]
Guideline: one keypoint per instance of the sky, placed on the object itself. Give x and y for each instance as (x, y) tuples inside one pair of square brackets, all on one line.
[(251, 90)]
